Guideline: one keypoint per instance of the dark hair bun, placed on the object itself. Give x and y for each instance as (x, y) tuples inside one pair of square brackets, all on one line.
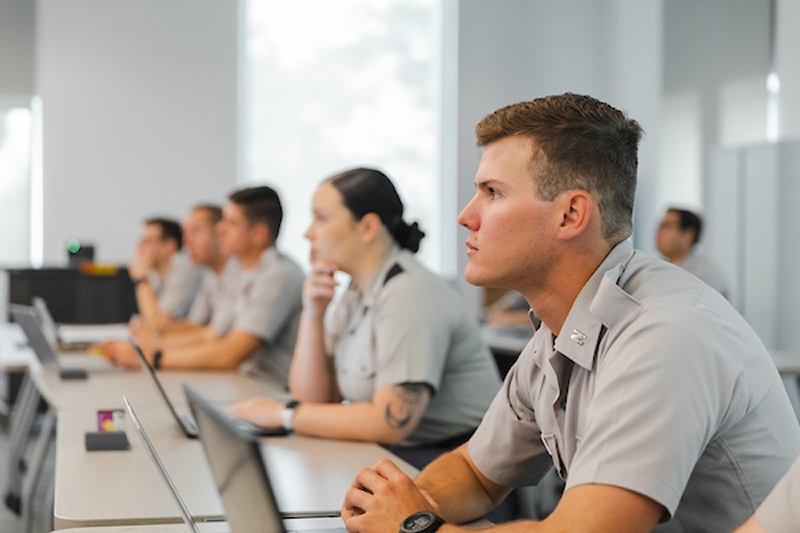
[(408, 236)]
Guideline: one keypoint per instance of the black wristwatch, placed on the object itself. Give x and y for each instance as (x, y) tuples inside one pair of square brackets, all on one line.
[(422, 522), (157, 359)]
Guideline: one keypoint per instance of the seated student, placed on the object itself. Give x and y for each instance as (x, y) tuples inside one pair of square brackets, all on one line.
[(651, 396), (409, 357), (165, 279), (780, 512), (678, 240), (256, 324), (202, 246)]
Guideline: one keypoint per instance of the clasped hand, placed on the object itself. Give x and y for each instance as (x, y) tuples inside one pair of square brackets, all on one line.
[(382, 497)]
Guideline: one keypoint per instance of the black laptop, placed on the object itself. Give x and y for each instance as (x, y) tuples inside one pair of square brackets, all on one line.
[(186, 422)]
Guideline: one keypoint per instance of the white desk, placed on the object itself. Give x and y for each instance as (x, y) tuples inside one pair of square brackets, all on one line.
[(109, 387), (298, 524), (310, 476), (103, 390)]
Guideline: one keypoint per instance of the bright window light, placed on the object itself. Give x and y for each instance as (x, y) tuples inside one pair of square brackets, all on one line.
[(335, 85)]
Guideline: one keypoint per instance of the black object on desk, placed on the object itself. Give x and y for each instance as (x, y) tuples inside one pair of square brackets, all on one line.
[(73, 374), (104, 441)]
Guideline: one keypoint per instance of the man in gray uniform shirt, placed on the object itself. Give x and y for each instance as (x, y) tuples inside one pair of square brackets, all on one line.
[(165, 279), (255, 325), (651, 396)]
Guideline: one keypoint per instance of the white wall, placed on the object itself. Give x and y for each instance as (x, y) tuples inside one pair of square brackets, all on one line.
[(610, 49), (786, 59), (17, 36), (716, 55), (139, 112)]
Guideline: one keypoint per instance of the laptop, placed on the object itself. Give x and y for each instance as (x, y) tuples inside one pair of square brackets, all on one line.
[(28, 319), (238, 468), (186, 422), (75, 337), (148, 445)]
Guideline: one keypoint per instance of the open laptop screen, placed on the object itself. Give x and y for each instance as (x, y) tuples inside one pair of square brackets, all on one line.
[(235, 460)]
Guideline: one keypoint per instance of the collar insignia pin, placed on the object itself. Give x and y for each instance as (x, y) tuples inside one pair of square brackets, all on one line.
[(578, 336)]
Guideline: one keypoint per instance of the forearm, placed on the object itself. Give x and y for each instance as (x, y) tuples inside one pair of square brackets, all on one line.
[(363, 421), (221, 354), (147, 301), (187, 337), (179, 326), (454, 483), (311, 378)]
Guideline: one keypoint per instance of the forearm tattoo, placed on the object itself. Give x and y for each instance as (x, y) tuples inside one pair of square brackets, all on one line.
[(401, 408)]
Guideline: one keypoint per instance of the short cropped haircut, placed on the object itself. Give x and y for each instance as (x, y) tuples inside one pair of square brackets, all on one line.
[(577, 143), (170, 229), (688, 220), (260, 204), (212, 211)]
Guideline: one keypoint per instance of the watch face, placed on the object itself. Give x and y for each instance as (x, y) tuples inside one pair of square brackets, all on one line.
[(418, 522)]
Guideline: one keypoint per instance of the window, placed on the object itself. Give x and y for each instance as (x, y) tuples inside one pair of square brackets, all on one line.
[(335, 85), (15, 182)]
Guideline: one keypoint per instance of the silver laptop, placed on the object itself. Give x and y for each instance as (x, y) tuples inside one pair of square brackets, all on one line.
[(73, 366), (148, 445), (75, 337), (241, 476), (256, 511), (186, 422)]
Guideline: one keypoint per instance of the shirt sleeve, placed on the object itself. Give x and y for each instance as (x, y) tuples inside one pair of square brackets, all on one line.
[(507, 446), (178, 289), (412, 337), (268, 303), (780, 512), (200, 312)]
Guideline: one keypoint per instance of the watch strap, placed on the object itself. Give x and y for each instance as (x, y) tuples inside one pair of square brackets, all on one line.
[(287, 414)]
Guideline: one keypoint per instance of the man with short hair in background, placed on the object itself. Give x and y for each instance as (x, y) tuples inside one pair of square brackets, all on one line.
[(164, 278), (678, 240)]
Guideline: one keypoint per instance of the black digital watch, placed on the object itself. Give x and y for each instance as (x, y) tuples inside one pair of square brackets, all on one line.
[(422, 522)]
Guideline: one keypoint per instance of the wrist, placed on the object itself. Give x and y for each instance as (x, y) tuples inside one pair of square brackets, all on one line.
[(422, 522), (287, 414), (157, 358)]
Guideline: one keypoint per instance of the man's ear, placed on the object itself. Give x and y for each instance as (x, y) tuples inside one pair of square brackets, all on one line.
[(688, 236), (172, 244), (577, 208), (261, 234), (369, 227)]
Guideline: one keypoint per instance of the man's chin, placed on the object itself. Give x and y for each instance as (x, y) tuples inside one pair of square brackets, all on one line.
[(473, 277)]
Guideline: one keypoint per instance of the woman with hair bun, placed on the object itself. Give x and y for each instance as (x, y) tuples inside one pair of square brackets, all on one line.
[(401, 348)]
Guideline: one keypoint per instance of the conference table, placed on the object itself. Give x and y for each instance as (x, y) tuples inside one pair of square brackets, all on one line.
[(123, 488), (309, 476), (312, 525)]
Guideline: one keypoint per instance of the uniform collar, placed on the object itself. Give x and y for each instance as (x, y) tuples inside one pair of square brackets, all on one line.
[(599, 304)]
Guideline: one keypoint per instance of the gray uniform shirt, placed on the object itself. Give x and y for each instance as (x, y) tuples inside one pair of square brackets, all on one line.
[(780, 512), (410, 326), (212, 292), (655, 384), (176, 289), (266, 303)]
